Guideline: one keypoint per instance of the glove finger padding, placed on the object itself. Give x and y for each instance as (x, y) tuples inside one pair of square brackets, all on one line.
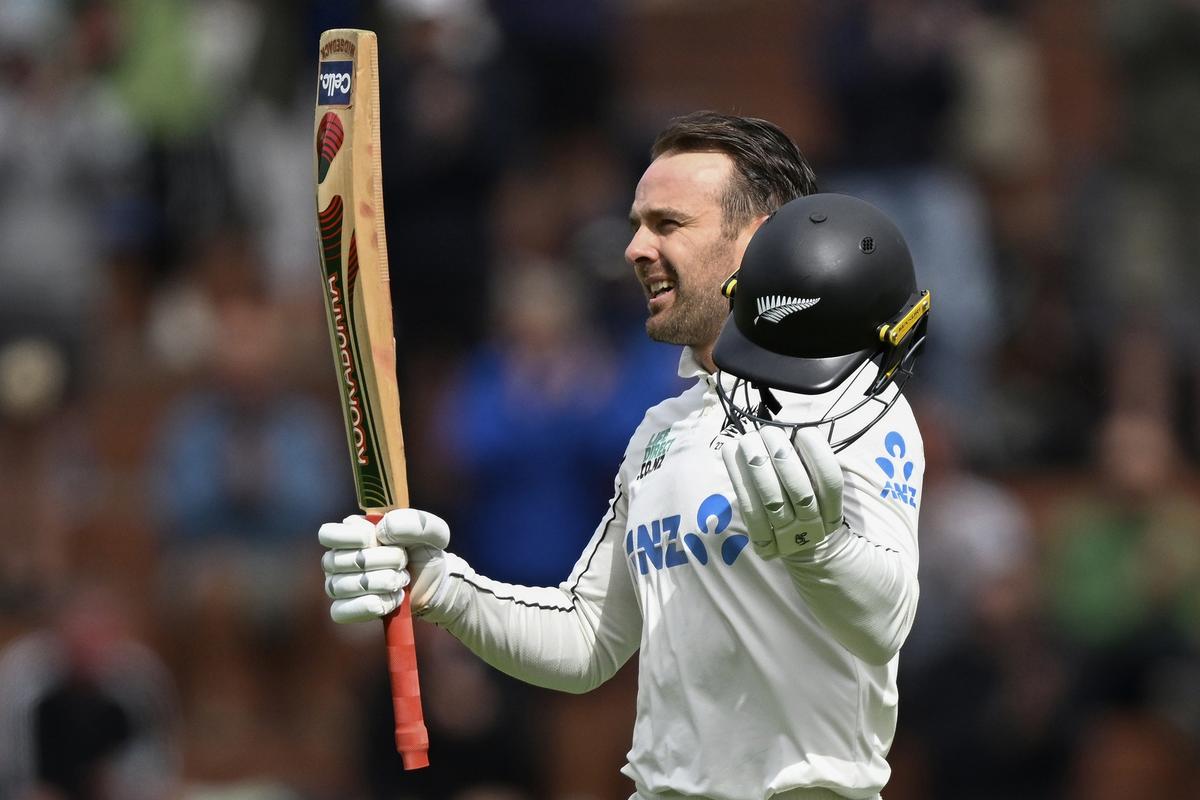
[(343, 561), (789, 469), (760, 470), (409, 526), (378, 582), (758, 526), (353, 532), (365, 608), (826, 473), (425, 537), (805, 528)]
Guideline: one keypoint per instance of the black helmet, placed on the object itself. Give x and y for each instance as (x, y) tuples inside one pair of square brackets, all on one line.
[(826, 283)]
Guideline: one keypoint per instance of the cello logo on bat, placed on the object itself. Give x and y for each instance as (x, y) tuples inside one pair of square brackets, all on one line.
[(334, 84)]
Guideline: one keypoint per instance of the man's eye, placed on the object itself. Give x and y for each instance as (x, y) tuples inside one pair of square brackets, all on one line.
[(668, 224)]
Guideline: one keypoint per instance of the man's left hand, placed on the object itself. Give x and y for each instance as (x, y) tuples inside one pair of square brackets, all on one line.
[(789, 490)]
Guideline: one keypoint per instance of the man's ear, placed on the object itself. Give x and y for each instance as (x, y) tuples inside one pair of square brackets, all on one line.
[(758, 221), (747, 232)]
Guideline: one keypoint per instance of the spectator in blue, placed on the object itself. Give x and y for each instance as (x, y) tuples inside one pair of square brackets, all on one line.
[(240, 461), (539, 417)]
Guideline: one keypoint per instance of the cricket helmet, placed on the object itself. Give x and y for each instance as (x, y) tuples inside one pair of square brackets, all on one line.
[(826, 284)]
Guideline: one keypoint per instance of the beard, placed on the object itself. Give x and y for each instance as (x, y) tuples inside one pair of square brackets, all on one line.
[(698, 309)]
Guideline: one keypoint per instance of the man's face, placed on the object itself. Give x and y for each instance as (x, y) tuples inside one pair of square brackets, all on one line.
[(679, 251)]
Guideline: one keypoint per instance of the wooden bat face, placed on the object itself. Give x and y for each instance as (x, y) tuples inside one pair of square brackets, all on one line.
[(354, 270), (354, 263)]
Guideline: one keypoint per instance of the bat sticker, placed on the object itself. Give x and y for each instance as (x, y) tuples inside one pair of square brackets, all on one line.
[(334, 86), (339, 296), (329, 141)]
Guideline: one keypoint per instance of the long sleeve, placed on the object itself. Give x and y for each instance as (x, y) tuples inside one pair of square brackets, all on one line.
[(572, 637), (861, 581), (862, 592)]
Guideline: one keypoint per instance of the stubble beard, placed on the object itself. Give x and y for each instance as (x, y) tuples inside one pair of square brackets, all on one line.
[(699, 310)]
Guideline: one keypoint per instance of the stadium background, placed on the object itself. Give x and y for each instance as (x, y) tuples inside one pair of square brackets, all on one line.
[(169, 435)]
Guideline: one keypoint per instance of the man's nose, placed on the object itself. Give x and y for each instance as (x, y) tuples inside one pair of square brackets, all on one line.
[(641, 247)]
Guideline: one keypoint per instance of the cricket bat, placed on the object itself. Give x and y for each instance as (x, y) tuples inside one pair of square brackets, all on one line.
[(354, 269)]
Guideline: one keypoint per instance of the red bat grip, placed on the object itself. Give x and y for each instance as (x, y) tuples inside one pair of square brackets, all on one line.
[(412, 739)]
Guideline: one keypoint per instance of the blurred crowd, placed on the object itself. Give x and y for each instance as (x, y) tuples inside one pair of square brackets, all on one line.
[(170, 437)]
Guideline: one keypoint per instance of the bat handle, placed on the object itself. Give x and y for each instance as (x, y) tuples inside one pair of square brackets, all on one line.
[(412, 738)]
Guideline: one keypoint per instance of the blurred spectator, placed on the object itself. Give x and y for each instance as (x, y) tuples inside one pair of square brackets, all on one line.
[(1000, 126), (71, 157), (86, 712), (1133, 755), (538, 415), (535, 425), (995, 713), (974, 534), (1142, 266), (242, 461), (445, 122), (1125, 552), (176, 65), (34, 484), (244, 468), (891, 77), (1007, 101), (560, 57)]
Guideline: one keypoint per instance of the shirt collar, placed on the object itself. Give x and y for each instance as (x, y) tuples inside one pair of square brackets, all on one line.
[(690, 366)]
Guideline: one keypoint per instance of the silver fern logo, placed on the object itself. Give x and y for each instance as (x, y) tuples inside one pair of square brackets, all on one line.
[(774, 307)]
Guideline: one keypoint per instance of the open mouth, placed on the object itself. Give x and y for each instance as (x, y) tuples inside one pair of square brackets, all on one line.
[(659, 288)]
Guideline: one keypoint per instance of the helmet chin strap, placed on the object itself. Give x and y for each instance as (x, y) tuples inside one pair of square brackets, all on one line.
[(770, 405), (765, 411)]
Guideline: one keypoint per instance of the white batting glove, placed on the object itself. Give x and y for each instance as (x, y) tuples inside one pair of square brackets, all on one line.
[(788, 490), (368, 565)]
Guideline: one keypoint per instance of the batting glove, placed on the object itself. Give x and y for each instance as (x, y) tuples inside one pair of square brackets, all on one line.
[(369, 565), (788, 490)]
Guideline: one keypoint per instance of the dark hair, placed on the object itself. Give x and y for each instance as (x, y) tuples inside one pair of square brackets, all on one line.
[(768, 168)]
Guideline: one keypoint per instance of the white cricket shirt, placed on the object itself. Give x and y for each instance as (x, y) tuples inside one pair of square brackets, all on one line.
[(755, 677)]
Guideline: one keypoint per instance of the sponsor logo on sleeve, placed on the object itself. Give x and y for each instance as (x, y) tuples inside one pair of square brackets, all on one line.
[(897, 470)]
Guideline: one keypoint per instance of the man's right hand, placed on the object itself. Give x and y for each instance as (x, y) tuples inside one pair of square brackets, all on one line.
[(368, 566)]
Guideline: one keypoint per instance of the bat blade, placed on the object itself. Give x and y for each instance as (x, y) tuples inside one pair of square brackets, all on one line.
[(354, 271)]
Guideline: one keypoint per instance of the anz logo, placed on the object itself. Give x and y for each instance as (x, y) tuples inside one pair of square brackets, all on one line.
[(898, 470), (660, 545)]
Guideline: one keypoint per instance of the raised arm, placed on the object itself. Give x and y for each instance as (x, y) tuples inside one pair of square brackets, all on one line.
[(572, 637)]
